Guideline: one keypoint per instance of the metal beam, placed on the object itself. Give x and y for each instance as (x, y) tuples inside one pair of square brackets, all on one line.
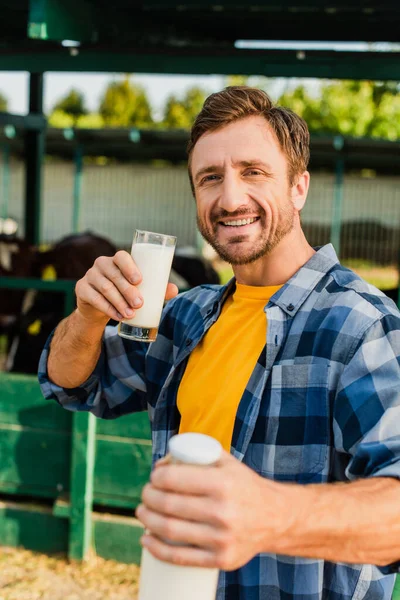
[(30, 122), (291, 5), (76, 211), (34, 152), (271, 63)]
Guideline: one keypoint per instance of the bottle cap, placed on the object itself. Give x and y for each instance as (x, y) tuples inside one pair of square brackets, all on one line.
[(195, 449)]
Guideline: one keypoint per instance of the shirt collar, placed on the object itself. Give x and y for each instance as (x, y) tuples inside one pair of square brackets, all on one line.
[(295, 291)]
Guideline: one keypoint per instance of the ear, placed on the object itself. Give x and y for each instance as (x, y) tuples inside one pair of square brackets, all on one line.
[(299, 191)]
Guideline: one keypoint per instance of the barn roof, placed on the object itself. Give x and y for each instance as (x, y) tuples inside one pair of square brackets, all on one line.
[(198, 36)]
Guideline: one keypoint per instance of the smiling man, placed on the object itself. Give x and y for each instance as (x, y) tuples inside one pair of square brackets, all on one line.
[(293, 366)]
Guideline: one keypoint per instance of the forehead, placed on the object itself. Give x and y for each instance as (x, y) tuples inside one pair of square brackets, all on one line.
[(251, 137)]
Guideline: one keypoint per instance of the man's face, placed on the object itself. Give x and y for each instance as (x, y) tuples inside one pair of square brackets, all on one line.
[(244, 207)]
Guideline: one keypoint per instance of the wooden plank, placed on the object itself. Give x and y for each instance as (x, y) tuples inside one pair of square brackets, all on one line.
[(33, 461), (396, 591), (82, 467), (33, 527), (35, 436), (22, 402), (117, 538), (136, 425), (122, 468), (62, 507), (37, 462)]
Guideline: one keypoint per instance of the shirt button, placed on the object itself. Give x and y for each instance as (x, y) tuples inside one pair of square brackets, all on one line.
[(188, 342), (290, 307)]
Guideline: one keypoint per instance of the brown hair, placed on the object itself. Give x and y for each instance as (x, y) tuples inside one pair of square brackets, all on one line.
[(238, 102)]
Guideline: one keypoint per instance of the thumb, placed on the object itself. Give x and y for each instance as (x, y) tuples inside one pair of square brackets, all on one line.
[(171, 292), (226, 458)]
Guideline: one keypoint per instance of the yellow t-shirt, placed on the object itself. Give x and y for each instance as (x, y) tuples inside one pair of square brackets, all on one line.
[(220, 366)]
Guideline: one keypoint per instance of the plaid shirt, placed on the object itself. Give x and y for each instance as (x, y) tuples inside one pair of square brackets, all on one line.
[(321, 405)]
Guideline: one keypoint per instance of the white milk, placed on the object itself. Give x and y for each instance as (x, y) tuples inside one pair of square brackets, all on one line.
[(163, 581), (160, 580), (154, 262)]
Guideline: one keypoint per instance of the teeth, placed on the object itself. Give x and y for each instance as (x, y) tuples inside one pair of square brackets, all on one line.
[(240, 222)]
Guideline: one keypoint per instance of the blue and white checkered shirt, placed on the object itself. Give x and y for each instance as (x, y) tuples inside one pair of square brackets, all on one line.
[(321, 405)]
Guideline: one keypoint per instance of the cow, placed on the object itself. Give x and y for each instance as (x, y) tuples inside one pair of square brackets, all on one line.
[(40, 312), (17, 259), (193, 267), (37, 313)]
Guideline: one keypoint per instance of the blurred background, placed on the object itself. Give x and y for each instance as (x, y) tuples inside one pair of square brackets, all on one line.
[(96, 103), (115, 159)]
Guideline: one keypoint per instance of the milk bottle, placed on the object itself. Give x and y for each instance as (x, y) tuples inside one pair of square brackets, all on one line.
[(164, 581)]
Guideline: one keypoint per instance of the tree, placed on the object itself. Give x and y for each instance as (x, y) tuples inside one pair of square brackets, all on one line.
[(233, 80), (60, 119), (3, 103), (73, 105), (125, 105), (354, 108), (180, 114)]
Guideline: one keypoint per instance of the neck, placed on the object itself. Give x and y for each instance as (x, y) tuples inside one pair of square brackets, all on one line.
[(277, 267)]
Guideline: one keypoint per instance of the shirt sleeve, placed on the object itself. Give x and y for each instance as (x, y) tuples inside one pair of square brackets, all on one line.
[(367, 407), (116, 387)]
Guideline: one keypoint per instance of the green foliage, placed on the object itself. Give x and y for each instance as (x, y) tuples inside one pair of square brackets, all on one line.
[(125, 105), (180, 114), (353, 108), (72, 105), (60, 119), (3, 103), (233, 80)]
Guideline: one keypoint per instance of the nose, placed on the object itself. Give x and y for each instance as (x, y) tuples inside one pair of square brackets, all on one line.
[(233, 195)]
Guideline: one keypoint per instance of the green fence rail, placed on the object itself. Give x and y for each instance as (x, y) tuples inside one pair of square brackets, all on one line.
[(63, 473)]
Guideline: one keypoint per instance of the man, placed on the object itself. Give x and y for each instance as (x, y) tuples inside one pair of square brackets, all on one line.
[(293, 366)]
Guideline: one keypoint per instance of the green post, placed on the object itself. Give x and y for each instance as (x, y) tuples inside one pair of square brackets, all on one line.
[(34, 152), (336, 223), (6, 181), (82, 469), (77, 189), (396, 591)]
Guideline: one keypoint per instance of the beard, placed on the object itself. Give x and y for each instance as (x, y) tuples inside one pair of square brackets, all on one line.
[(233, 251)]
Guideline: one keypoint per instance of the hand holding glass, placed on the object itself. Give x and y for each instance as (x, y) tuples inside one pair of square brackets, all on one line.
[(153, 254)]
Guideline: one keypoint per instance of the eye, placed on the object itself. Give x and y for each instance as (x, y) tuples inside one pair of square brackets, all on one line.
[(253, 172), (209, 178)]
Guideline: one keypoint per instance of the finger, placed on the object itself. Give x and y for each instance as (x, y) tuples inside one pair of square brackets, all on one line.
[(128, 267), (89, 296), (185, 479), (178, 555), (172, 291), (178, 530), (191, 508), (193, 480), (105, 269), (166, 460), (107, 289)]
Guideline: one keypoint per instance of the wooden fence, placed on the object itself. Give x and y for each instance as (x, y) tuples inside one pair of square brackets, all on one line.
[(68, 481)]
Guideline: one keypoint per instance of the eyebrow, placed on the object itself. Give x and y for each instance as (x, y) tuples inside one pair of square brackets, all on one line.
[(239, 163)]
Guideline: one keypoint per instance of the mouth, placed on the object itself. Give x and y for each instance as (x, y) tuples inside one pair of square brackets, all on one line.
[(239, 224)]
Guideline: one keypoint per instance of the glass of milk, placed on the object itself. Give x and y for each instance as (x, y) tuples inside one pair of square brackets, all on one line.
[(153, 254)]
